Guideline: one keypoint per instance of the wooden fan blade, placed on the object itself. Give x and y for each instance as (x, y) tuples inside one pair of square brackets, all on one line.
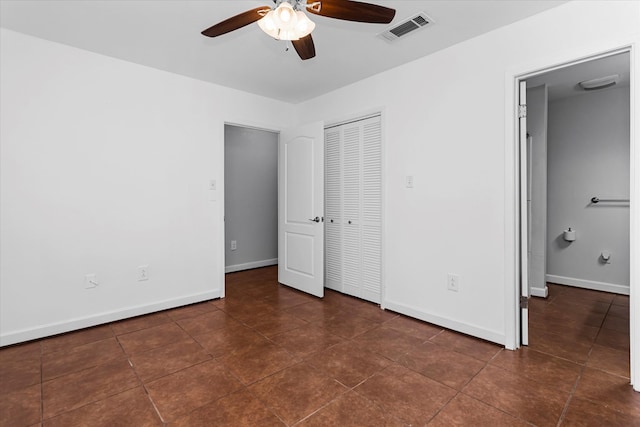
[(305, 47), (352, 11), (236, 22)]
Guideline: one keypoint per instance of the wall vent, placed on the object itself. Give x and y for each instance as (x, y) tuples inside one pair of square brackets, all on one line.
[(421, 20)]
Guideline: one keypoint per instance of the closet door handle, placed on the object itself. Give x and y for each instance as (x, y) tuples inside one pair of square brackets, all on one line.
[(316, 219), (349, 222)]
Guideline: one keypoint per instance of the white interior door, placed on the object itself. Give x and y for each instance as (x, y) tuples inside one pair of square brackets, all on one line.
[(524, 217), (301, 208)]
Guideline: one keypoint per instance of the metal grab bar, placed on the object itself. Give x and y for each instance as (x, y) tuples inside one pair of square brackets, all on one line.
[(595, 199)]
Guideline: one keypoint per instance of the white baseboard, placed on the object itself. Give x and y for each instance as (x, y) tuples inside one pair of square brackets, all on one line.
[(539, 292), (99, 319), (445, 322), (250, 265), (588, 284)]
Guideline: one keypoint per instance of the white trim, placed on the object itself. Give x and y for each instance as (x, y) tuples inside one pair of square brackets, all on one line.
[(353, 120), (540, 292), (588, 284), (250, 265), (364, 114), (99, 319), (634, 213), (445, 322), (383, 213), (511, 215)]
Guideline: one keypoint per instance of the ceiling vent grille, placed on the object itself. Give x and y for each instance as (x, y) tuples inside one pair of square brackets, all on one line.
[(416, 22)]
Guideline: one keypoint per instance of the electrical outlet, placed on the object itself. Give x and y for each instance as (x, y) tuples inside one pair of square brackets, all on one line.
[(453, 282), (90, 281), (143, 272), (234, 245)]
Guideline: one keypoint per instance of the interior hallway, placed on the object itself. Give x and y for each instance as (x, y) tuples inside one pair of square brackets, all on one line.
[(268, 355)]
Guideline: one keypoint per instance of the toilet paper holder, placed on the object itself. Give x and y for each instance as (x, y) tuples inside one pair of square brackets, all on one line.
[(569, 235)]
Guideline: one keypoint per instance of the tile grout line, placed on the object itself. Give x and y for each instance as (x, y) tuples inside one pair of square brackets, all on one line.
[(323, 372), (347, 390), (459, 392), (142, 383), (87, 403), (582, 369), (565, 409), (266, 405)]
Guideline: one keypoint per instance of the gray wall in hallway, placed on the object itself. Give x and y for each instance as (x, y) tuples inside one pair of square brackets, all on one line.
[(250, 195)]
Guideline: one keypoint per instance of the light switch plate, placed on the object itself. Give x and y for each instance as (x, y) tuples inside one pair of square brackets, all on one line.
[(408, 181)]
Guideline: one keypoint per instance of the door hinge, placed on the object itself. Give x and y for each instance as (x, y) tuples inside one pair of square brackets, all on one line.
[(524, 302), (522, 111)]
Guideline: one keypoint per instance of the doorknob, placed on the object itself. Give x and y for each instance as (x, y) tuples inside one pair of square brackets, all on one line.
[(316, 219)]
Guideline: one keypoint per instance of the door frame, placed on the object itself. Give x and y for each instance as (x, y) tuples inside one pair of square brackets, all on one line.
[(513, 258)]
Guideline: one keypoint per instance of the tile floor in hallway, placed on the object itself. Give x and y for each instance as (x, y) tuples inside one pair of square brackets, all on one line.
[(268, 355)]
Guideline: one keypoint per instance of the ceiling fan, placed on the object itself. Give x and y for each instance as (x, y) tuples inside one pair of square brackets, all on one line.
[(287, 20)]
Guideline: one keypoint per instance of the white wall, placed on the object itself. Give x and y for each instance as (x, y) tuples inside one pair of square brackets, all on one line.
[(445, 124), (589, 156), (250, 197), (537, 99), (105, 165)]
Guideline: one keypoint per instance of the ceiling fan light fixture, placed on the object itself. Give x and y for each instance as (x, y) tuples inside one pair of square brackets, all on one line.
[(285, 23), (268, 24), (285, 17), (304, 26)]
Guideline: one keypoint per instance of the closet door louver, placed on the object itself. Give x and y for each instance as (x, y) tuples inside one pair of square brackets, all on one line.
[(371, 209), (351, 207), (333, 208), (354, 208)]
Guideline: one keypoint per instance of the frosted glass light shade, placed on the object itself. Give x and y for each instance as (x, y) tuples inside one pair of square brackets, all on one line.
[(285, 17), (304, 26), (268, 24), (285, 23)]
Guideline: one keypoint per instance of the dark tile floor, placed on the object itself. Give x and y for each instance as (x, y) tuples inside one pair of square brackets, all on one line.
[(271, 356)]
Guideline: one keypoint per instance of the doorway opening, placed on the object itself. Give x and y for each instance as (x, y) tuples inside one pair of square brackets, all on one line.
[(578, 151), (250, 198), (575, 145)]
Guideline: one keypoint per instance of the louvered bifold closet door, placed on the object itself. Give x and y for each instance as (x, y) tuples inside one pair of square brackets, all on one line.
[(333, 209), (351, 208), (371, 230)]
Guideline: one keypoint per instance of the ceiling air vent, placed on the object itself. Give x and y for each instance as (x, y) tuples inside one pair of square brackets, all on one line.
[(421, 20)]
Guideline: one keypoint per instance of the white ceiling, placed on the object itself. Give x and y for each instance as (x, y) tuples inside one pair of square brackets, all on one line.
[(165, 34), (563, 82)]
